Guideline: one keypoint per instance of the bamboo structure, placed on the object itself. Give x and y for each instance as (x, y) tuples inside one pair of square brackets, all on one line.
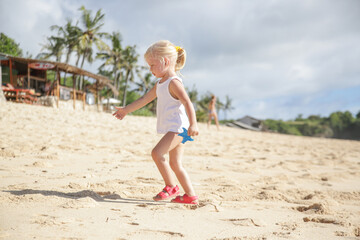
[(100, 81)]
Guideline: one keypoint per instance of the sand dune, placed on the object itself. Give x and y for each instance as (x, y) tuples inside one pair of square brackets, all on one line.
[(68, 174)]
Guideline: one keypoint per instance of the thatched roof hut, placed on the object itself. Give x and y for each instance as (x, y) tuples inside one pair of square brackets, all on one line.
[(31, 73)]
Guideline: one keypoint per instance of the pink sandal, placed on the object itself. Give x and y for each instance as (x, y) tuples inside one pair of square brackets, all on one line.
[(166, 193), (186, 199)]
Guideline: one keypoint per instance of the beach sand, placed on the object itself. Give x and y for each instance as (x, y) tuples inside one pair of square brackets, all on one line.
[(68, 174)]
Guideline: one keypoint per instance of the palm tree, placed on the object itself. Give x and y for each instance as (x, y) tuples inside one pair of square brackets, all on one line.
[(106, 92), (54, 47), (201, 104), (219, 106), (193, 95), (146, 82), (70, 35), (90, 34), (130, 60), (227, 106), (113, 57)]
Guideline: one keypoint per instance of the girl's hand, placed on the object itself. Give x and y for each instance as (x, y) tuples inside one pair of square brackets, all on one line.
[(120, 113), (193, 130)]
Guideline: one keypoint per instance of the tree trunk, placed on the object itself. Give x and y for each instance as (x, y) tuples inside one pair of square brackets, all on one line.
[(77, 60), (125, 88), (82, 64), (2, 97), (77, 63), (115, 77), (119, 82)]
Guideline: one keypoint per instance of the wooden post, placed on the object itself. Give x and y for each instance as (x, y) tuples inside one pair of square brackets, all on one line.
[(2, 96), (57, 87), (74, 94), (97, 95), (10, 73), (84, 97), (28, 75)]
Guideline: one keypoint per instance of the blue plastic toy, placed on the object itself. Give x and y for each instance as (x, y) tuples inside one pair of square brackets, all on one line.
[(185, 136)]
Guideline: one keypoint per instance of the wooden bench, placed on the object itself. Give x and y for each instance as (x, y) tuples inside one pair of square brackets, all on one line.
[(20, 95)]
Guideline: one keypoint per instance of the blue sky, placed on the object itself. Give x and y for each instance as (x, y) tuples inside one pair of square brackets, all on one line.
[(273, 58)]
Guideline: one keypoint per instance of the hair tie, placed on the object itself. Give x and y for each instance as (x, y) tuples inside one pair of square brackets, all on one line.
[(178, 48)]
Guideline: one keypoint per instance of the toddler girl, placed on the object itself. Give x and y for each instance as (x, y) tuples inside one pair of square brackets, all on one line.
[(174, 112)]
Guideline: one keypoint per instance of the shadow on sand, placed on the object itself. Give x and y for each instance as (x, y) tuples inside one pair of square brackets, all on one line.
[(97, 196)]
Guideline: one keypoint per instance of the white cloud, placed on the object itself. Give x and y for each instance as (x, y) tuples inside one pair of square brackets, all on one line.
[(30, 21), (253, 51)]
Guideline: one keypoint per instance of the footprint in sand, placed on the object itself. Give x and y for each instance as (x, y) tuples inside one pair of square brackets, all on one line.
[(286, 226), (42, 164), (86, 202), (152, 234), (47, 220), (357, 231), (246, 222), (318, 208), (322, 220)]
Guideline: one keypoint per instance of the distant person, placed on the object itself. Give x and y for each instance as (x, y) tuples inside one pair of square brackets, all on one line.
[(212, 112), (47, 88), (174, 112)]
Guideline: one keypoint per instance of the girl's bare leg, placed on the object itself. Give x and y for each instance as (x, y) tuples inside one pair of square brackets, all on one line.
[(175, 156), (167, 143), (216, 120)]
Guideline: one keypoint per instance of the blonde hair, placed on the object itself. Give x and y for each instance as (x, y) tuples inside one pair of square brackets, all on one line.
[(165, 48)]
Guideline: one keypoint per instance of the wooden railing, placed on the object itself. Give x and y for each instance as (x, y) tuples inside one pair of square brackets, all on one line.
[(73, 94)]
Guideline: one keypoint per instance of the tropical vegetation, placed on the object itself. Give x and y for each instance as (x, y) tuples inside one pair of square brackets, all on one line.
[(119, 64), (341, 125), (85, 40), (9, 46)]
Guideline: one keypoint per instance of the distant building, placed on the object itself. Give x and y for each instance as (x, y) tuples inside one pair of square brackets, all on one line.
[(247, 122), (26, 80)]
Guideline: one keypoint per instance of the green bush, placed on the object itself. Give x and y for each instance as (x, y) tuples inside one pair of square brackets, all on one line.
[(143, 112), (337, 125), (201, 116)]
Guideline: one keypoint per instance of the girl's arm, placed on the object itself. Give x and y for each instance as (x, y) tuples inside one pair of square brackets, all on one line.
[(139, 103), (178, 91)]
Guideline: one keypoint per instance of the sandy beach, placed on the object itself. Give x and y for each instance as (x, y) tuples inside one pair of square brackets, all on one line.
[(68, 174)]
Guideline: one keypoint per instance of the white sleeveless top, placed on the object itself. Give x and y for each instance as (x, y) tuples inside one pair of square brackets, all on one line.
[(170, 112)]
